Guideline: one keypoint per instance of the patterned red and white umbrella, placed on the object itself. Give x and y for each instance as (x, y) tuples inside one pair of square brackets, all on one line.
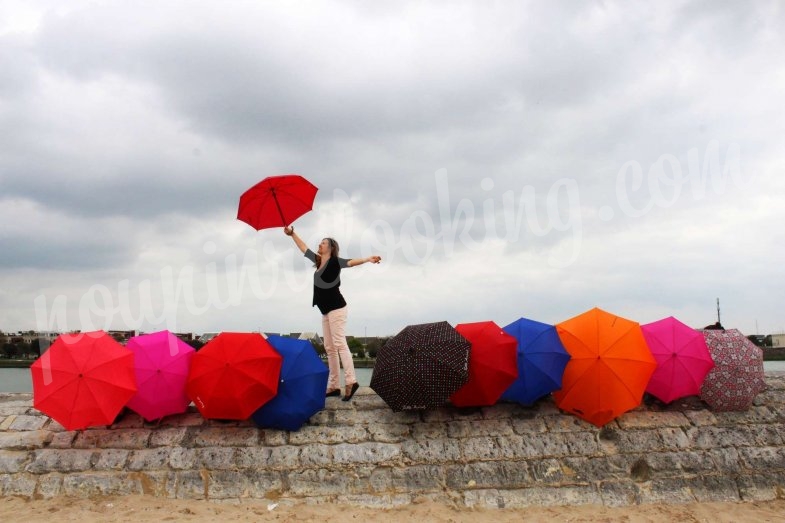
[(421, 367), (738, 374)]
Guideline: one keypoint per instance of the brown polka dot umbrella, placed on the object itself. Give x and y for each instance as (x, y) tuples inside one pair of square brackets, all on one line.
[(421, 367)]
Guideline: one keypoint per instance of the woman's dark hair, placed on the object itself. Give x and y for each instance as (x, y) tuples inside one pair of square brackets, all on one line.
[(333, 251)]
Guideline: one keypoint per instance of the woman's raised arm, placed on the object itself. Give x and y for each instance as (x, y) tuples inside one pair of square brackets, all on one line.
[(289, 231)]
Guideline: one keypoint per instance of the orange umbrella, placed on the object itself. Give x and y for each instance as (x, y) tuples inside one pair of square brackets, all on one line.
[(609, 368)]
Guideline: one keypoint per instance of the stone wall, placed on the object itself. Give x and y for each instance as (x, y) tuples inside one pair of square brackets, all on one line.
[(362, 453)]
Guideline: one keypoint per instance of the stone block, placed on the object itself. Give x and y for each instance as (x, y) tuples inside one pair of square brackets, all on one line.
[(329, 435), (582, 443), (60, 460), (701, 418), (323, 417), (603, 468), (639, 441), (187, 419), (321, 482), (763, 459), (431, 451), (149, 459), (128, 420), (527, 427), (389, 432), (418, 479), (562, 423), (216, 458), (283, 458), (274, 438), (22, 485), (12, 462), (366, 453), (28, 423), (375, 501), (435, 415), (619, 493), (24, 440), (761, 487), (169, 437), (110, 459), (112, 439), (490, 474), (711, 488), (264, 484), (482, 449), (428, 431), (726, 460), (100, 483), (753, 415), (316, 455), (6, 421), (62, 440), (347, 418), (715, 437), (549, 471), (522, 498), (192, 484), (646, 419), (225, 484), (768, 436), (471, 429), (537, 445), (181, 458), (666, 491), (673, 438), (48, 486), (222, 437)]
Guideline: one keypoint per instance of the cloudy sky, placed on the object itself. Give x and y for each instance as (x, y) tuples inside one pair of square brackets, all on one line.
[(505, 159)]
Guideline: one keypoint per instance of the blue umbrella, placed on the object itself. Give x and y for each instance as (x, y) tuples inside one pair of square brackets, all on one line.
[(301, 388), (541, 361)]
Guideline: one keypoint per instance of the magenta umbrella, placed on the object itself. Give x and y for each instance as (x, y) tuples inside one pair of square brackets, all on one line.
[(162, 362), (683, 359)]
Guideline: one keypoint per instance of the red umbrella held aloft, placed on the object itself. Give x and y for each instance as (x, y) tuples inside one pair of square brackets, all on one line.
[(233, 375), (83, 380), (276, 201)]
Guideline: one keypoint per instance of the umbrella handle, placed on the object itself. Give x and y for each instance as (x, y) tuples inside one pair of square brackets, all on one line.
[(278, 206)]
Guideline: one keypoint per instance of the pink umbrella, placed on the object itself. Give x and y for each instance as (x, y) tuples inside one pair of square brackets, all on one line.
[(162, 362), (683, 359), (738, 374)]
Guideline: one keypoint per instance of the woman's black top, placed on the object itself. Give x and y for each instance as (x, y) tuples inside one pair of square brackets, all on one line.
[(327, 282)]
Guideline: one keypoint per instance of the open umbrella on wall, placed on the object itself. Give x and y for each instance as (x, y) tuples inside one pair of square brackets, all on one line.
[(161, 363), (421, 366), (738, 374), (276, 201), (683, 359), (301, 387), (83, 380), (541, 361), (493, 364), (609, 368), (233, 375)]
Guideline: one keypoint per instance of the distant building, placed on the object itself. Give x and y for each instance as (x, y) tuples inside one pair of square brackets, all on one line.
[(778, 340), (207, 336)]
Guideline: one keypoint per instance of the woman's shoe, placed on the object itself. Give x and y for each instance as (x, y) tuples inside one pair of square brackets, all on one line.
[(349, 395), (333, 393)]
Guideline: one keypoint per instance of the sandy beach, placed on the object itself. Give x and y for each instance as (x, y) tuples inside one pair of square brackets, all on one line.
[(140, 508)]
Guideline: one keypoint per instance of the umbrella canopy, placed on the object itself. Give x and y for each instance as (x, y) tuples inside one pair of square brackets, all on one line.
[(421, 367), (233, 375), (301, 387), (83, 380), (493, 364), (738, 374), (683, 359), (609, 368), (276, 201), (161, 363), (541, 361)]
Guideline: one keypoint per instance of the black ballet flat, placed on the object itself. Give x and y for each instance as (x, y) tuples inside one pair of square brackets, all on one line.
[(354, 389), (333, 393)]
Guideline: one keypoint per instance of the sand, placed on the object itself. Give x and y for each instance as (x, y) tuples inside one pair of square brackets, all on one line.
[(141, 508)]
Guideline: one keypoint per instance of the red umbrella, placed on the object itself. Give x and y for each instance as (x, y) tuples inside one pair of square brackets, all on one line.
[(83, 380), (276, 201), (738, 374), (493, 364), (683, 359), (233, 375)]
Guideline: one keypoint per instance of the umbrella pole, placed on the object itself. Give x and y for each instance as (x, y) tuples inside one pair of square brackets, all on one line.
[(278, 206)]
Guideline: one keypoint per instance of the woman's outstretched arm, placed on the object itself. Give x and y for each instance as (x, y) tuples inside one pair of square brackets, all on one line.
[(359, 261), (289, 231)]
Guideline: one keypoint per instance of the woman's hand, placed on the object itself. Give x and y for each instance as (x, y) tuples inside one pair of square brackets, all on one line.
[(288, 230), (374, 259)]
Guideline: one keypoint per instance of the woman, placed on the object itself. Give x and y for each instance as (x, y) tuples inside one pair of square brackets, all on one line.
[(327, 296)]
